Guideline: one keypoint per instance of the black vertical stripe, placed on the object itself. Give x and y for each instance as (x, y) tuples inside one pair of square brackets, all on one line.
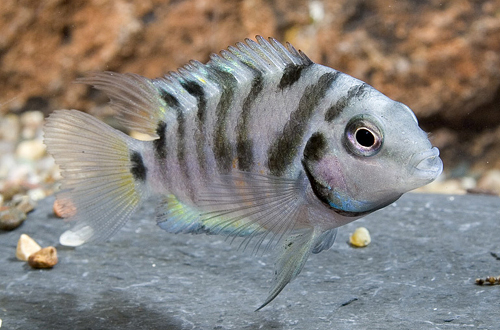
[(169, 99), (222, 146), (315, 147), (196, 90), (286, 147), (355, 92), (291, 74), (336, 109), (138, 169), (160, 144), (244, 145), (174, 104)]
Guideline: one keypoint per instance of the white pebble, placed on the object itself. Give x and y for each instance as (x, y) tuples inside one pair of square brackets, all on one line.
[(31, 149), (9, 128), (26, 246), (32, 122), (37, 194)]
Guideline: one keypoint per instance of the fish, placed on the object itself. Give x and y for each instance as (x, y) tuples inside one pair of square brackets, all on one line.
[(260, 144)]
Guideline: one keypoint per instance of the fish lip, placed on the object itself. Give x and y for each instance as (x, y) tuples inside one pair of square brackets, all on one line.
[(427, 164)]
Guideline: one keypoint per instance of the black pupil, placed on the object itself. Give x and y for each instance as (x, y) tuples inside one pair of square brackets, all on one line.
[(365, 137)]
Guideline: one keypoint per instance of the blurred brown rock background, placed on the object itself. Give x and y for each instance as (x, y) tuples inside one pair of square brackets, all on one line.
[(442, 58)]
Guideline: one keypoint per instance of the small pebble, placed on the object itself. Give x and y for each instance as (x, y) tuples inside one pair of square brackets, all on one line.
[(490, 181), (9, 128), (23, 203), (30, 149), (141, 136), (64, 208), (482, 191), (32, 122), (26, 246), (45, 258), (9, 190), (11, 218), (37, 194), (360, 237)]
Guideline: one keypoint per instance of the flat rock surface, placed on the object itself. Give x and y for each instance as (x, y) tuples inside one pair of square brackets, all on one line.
[(418, 273)]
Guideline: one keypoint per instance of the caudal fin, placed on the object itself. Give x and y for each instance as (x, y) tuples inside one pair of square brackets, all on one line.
[(104, 175)]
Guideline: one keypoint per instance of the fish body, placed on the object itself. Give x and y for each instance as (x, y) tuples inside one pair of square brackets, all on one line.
[(260, 143)]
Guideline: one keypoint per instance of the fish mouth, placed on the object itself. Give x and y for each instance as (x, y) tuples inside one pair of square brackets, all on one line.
[(428, 164)]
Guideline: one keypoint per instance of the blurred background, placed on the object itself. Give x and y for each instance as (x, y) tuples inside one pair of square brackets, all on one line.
[(441, 58)]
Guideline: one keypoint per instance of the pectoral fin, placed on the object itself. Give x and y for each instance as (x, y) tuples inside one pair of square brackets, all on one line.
[(325, 240), (241, 204)]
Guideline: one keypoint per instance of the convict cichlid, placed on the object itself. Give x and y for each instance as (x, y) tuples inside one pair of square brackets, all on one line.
[(260, 143)]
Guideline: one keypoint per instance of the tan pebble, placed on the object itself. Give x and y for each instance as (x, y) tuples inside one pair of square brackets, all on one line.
[(31, 122), (9, 128), (24, 203), (45, 258), (11, 218), (64, 208), (141, 136), (490, 181), (452, 186), (360, 237), (30, 149), (26, 246), (481, 191)]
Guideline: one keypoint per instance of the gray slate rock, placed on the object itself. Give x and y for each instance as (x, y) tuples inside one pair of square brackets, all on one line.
[(418, 273)]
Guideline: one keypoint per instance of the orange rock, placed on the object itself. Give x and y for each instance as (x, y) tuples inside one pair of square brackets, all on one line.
[(64, 208), (45, 258)]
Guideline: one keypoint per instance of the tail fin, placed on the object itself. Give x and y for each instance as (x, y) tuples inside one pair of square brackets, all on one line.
[(104, 175)]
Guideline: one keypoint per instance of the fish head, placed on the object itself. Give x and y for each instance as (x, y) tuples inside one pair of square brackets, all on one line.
[(372, 153)]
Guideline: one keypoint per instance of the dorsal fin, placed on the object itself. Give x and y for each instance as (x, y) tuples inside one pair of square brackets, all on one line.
[(138, 100)]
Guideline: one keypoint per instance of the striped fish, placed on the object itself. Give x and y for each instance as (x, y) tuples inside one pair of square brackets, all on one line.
[(259, 143)]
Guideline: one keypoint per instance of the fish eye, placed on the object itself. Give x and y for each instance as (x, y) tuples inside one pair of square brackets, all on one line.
[(362, 136)]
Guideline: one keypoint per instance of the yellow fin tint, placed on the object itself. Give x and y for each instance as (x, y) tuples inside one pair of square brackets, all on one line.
[(97, 170), (176, 217)]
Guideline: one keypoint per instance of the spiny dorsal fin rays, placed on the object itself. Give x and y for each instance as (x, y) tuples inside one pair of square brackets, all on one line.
[(138, 101), (288, 56), (272, 60), (196, 72), (248, 56)]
